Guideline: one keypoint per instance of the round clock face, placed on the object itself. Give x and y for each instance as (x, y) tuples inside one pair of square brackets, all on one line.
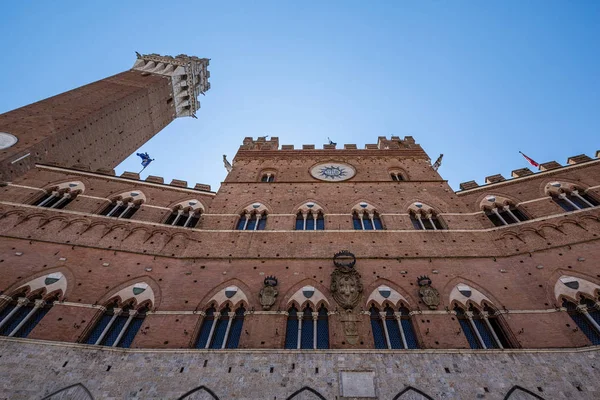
[(332, 171), (7, 140)]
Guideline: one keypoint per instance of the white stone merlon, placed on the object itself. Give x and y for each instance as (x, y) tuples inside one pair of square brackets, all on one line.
[(189, 78)]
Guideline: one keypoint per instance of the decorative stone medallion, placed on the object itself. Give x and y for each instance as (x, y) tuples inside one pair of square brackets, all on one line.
[(268, 293), (332, 171), (430, 296), (7, 140)]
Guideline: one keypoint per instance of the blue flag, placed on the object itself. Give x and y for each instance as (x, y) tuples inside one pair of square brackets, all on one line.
[(146, 160)]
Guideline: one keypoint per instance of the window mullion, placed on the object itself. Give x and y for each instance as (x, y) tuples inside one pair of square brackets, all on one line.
[(115, 208), (52, 195), (431, 222), (212, 331), (247, 218), (582, 308), (179, 214), (129, 205), (495, 211), (64, 198), (20, 303), (124, 329), (116, 313), (385, 329), (304, 217), (469, 315), (258, 216), (315, 217), (564, 197), (36, 307), (399, 321), (189, 218), (493, 332), (576, 194), (509, 211), (231, 315), (362, 223), (315, 316), (372, 222), (300, 318), (418, 216)]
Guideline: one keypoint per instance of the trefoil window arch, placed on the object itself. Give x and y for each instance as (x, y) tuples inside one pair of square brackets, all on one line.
[(310, 218), (392, 329), (366, 218), (253, 218), (22, 314), (186, 214), (117, 327), (59, 196), (221, 330), (569, 197), (501, 211), (307, 329), (124, 205), (424, 217)]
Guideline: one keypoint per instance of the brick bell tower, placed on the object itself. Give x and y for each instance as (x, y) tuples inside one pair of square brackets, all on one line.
[(100, 124)]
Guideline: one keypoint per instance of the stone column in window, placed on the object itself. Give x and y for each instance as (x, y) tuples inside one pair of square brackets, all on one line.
[(315, 217), (582, 308), (469, 315), (65, 197), (179, 214), (398, 317), (216, 316), (48, 199), (385, 329), (231, 316), (495, 211), (361, 215), (428, 216), (246, 219), (132, 314), (315, 316), (576, 194), (258, 216), (116, 312), (191, 214), (23, 301), (36, 307), (491, 329), (566, 198), (418, 217), (299, 341), (371, 215), (509, 211), (129, 205), (118, 204), (304, 217)]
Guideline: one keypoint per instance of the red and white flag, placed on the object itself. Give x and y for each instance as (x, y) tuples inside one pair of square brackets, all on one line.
[(531, 161)]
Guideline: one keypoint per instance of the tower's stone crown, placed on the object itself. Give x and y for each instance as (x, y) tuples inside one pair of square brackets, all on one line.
[(189, 78)]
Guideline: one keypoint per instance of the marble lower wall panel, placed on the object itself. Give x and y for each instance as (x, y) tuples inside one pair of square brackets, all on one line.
[(32, 369)]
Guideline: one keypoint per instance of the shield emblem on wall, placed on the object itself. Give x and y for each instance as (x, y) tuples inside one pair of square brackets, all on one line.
[(570, 282), (308, 291), (464, 290), (385, 291), (230, 291), (139, 288), (52, 278)]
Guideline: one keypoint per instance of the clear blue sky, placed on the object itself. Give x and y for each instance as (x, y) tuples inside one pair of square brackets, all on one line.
[(477, 81)]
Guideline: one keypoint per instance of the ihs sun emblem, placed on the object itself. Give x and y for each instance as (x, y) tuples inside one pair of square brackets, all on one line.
[(332, 172)]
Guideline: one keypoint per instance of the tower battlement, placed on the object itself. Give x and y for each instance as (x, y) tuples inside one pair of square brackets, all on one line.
[(189, 78), (383, 143)]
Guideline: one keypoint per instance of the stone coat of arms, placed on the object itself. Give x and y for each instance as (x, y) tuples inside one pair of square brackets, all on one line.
[(346, 287), (429, 295), (268, 293)]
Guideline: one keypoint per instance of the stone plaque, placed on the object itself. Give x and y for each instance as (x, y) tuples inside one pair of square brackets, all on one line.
[(358, 384), (7, 140)]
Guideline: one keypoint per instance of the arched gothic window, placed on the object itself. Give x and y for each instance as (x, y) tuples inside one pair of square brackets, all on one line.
[(185, 214), (59, 196), (117, 327), (308, 329), (21, 315), (222, 330), (502, 211), (424, 217), (570, 197), (366, 221), (587, 317), (310, 221), (253, 218), (482, 329), (124, 205), (393, 330)]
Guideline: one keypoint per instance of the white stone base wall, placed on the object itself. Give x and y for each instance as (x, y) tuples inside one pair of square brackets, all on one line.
[(31, 369)]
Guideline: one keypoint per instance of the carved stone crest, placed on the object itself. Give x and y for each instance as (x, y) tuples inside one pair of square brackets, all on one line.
[(349, 322), (346, 287), (268, 293), (429, 295)]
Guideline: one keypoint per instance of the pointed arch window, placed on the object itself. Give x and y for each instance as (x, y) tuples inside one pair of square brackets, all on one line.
[(61, 195), (185, 214), (424, 217), (392, 330), (310, 221), (570, 197), (20, 316), (366, 220), (222, 330), (307, 329), (252, 221), (121, 209), (501, 211), (482, 330), (117, 327), (587, 317)]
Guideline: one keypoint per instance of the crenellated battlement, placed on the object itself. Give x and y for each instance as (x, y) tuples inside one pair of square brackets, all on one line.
[(524, 172), (383, 143)]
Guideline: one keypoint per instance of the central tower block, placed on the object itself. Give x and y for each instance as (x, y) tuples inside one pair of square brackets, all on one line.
[(98, 125)]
